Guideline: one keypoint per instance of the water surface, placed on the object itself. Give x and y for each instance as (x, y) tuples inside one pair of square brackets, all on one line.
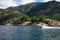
[(29, 33), (21, 33)]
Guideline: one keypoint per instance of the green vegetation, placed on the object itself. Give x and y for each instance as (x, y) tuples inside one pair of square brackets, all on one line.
[(56, 17), (19, 18), (34, 19), (32, 12)]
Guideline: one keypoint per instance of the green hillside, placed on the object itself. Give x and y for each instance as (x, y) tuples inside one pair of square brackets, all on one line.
[(33, 12)]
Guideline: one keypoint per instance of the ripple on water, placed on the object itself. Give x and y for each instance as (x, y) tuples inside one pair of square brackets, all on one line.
[(20, 33)]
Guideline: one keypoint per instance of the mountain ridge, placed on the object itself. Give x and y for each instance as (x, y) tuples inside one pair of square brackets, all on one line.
[(33, 9)]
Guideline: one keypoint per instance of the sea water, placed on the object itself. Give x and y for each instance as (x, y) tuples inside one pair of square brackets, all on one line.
[(21, 33), (28, 33)]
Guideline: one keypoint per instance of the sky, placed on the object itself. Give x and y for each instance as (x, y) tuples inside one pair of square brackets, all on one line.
[(8, 3)]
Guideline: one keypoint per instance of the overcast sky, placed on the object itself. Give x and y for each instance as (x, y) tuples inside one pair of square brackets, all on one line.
[(8, 3)]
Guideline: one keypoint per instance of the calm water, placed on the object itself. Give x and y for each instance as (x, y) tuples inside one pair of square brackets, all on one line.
[(28, 33)]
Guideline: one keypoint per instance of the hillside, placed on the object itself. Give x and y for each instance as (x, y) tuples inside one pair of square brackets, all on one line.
[(11, 17), (32, 13), (34, 9)]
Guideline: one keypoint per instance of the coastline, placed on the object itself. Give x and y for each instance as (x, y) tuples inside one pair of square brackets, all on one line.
[(31, 24), (28, 23)]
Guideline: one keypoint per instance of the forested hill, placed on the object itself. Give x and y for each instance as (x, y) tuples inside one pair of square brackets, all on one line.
[(33, 12), (34, 9)]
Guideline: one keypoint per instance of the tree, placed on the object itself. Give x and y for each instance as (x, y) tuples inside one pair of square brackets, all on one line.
[(34, 19), (25, 18), (56, 17), (42, 18)]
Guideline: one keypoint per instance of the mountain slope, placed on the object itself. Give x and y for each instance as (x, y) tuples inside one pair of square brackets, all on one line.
[(35, 9), (36, 12)]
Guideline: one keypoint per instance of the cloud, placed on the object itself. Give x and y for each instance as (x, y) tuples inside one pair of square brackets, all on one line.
[(27, 1), (58, 0), (7, 3), (47, 0)]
